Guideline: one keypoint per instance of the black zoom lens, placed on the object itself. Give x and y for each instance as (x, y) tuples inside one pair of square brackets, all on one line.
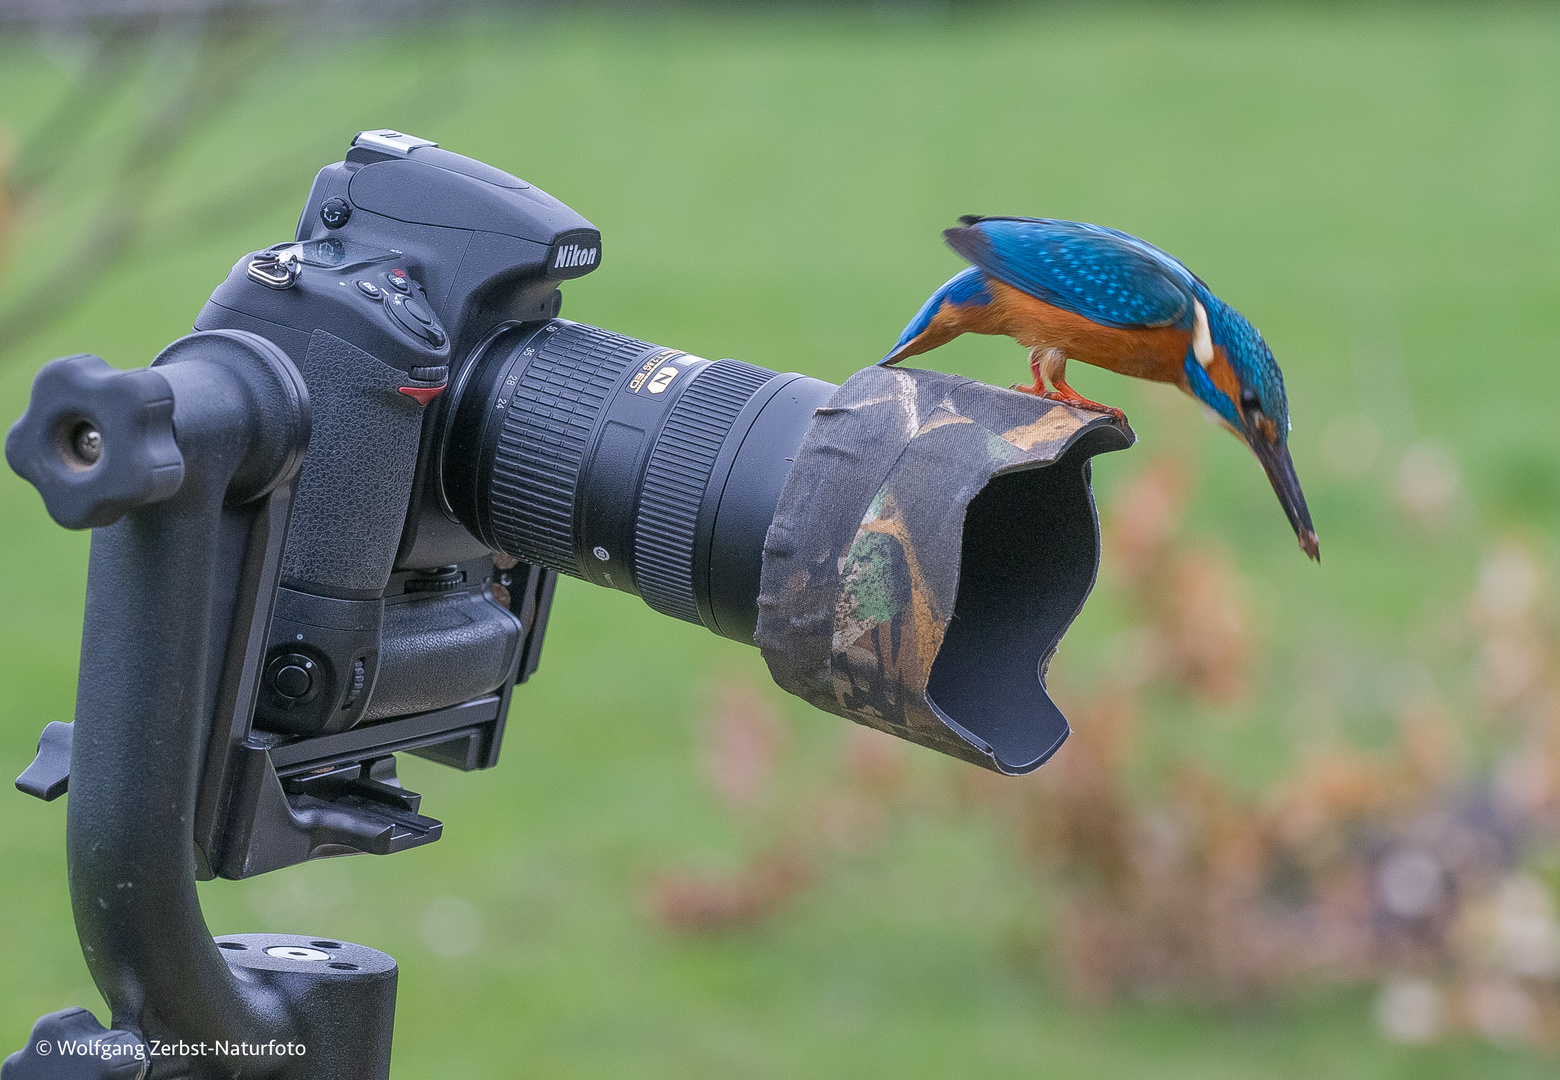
[(631, 465)]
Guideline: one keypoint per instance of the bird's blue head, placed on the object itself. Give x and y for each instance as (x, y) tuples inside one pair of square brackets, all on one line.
[(1230, 369)]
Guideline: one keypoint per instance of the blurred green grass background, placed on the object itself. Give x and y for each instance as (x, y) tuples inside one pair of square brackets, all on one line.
[(1375, 188)]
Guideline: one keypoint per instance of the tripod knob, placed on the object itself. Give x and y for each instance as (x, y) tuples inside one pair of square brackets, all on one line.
[(95, 441), (72, 1045)]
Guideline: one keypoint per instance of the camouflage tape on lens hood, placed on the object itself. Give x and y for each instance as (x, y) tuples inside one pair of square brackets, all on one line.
[(907, 480)]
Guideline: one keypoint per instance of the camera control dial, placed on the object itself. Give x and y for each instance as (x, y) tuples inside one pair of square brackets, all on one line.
[(335, 213), (410, 309)]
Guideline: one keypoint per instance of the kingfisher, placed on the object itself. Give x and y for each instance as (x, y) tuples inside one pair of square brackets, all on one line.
[(1070, 290)]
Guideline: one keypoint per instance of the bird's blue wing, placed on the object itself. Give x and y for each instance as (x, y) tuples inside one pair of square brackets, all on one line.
[(1106, 276)]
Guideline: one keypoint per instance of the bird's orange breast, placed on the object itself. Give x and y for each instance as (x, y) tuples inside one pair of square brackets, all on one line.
[(1152, 352)]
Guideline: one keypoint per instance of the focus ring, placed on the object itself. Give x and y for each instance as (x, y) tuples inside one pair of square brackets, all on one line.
[(549, 415), (675, 480)]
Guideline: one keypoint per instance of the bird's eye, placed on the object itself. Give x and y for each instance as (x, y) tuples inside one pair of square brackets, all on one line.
[(1248, 398)]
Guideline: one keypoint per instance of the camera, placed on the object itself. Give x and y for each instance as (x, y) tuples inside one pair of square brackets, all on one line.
[(467, 446)]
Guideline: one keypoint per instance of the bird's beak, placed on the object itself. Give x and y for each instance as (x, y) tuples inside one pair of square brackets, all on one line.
[(1281, 474)]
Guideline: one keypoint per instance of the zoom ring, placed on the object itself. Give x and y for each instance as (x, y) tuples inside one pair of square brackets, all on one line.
[(547, 425), (675, 480)]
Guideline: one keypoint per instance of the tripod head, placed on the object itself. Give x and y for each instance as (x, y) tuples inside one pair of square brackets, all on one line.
[(196, 460)]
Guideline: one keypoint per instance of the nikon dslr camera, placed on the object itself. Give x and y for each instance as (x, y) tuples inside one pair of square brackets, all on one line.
[(467, 446)]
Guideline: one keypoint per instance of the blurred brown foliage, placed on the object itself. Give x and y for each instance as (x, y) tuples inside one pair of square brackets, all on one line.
[(1405, 868), (743, 738), (792, 833), (1196, 628), (701, 902)]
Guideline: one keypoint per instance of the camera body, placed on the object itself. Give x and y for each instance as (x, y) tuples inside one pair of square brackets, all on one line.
[(407, 257), (465, 447)]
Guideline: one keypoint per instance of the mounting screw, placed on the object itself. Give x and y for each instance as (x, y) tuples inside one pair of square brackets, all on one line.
[(83, 445), (297, 952)]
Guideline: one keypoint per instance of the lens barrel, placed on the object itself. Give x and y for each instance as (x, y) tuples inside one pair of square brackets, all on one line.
[(637, 467)]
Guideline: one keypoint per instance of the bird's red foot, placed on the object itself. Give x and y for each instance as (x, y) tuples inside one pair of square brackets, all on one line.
[(1078, 401)]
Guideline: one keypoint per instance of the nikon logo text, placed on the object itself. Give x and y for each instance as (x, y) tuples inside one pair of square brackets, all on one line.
[(574, 255)]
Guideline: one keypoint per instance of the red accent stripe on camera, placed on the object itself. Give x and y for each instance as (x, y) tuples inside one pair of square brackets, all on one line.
[(422, 394)]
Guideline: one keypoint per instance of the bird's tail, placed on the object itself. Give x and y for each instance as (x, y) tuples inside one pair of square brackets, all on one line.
[(966, 287)]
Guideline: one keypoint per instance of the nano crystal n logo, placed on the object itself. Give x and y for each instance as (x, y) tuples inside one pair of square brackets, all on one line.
[(571, 255), (663, 378)]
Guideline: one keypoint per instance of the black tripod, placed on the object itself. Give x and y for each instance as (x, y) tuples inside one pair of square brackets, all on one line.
[(186, 471)]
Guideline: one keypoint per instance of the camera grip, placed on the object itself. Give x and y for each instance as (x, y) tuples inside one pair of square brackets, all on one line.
[(440, 651), (357, 477)]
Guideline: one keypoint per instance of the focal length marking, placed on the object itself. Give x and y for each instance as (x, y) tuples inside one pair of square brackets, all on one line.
[(659, 377)]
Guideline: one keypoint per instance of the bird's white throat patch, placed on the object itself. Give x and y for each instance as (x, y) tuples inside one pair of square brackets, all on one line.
[(1202, 340)]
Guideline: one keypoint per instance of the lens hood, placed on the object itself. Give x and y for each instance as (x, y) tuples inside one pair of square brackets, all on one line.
[(935, 538)]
